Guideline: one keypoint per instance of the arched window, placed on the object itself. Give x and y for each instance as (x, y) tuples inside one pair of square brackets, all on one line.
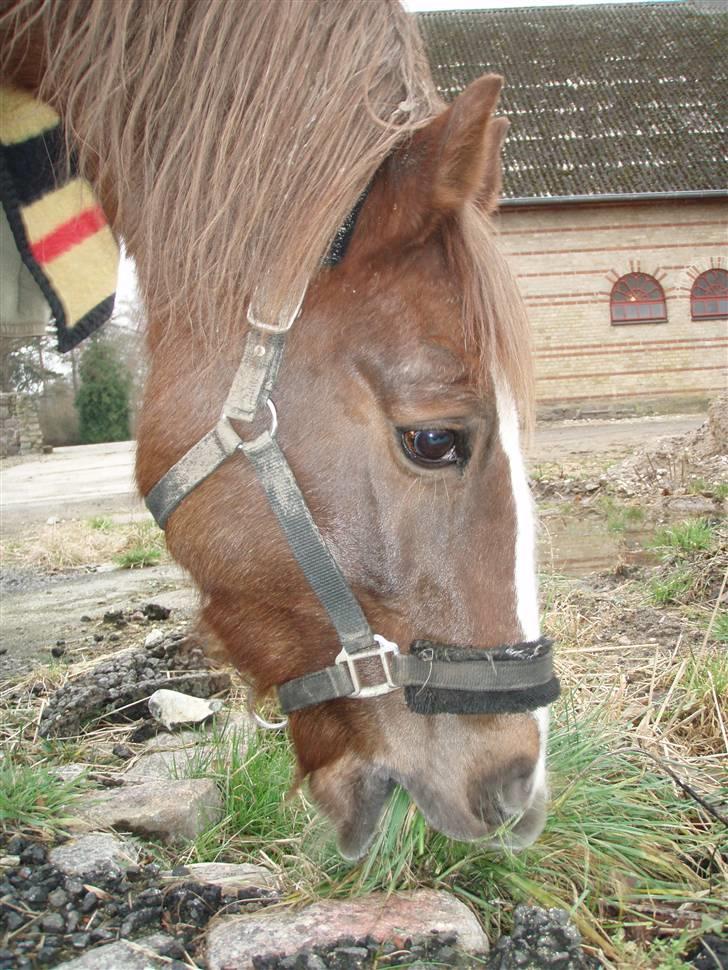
[(709, 295), (638, 298)]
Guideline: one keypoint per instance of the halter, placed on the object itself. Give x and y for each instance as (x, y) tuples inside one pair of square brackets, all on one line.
[(436, 678)]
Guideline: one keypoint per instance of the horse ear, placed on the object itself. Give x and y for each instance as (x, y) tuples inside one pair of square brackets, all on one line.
[(451, 161), (490, 187)]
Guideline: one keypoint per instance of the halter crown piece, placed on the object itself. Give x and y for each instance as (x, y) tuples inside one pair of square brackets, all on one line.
[(436, 678)]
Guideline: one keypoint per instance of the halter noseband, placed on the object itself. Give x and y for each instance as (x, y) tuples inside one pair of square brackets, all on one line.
[(436, 678)]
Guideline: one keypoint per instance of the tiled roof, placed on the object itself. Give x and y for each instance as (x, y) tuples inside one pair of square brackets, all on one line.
[(606, 99)]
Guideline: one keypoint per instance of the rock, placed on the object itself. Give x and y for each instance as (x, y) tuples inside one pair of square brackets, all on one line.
[(171, 756), (97, 851), (69, 772), (153, 639), (162, 809), (143, 954), (692, 505), (235, 941), (171, 707), (227, 875), (53, 923), (540, 938), (174, 755), (154, 611)]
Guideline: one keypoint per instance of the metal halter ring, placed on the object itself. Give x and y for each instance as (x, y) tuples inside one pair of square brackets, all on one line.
[(261, 721), (264, 435)]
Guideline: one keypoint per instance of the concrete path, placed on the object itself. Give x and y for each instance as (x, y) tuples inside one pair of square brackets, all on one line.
[(99, 479), (77, 482)]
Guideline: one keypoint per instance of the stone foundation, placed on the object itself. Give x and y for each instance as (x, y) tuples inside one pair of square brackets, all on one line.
[(20, 432)]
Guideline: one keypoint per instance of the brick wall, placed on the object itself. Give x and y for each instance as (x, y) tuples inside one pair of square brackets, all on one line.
[(567, 258)]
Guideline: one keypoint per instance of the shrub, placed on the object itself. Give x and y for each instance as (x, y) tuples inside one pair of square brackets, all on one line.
[(103, 398)]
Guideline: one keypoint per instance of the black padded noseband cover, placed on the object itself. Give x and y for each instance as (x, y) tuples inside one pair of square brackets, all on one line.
[(429, 700)]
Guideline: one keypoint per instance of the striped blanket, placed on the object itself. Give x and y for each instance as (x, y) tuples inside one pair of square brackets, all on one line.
[(59, 228)]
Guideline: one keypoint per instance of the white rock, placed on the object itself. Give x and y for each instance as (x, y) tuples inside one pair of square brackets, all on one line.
[(154, 638), (170, 707), (53, 520)]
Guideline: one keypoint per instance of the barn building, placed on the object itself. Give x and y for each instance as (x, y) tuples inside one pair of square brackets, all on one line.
[(615, 203)]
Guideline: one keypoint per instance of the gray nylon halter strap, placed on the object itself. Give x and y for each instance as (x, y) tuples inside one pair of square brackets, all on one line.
[(318, 565), (406, 670), (250, 389)]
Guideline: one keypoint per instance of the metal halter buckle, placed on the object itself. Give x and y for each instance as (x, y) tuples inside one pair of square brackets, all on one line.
[(375, 690), (275, 327)]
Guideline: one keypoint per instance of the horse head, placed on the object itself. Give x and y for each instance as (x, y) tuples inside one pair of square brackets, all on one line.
[(402, 433)]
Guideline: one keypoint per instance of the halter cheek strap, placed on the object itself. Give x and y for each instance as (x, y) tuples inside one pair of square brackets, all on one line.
[(436, 678)]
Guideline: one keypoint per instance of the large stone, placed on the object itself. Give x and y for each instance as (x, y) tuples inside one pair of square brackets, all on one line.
[(182, 754), (161, 808), (171, 756), (229, 876), (94, 852), (233, 942), (142, 954)]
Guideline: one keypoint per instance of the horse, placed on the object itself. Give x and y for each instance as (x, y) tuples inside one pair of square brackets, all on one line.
[(232, 146)]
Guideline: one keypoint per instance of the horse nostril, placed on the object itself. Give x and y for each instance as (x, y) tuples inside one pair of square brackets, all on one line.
[(496, 798), (517, 793)]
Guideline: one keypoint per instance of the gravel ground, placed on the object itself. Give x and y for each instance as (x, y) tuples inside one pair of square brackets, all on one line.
[(47, 917), (117, 689)]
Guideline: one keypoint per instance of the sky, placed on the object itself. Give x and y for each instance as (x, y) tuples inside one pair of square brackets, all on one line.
[(490, 4)]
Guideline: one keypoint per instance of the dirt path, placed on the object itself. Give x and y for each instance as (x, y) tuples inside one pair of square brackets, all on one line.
[(38, 610), (92, 480), (558, 440)]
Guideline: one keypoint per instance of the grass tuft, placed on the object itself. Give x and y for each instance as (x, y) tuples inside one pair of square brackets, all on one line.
[(68, 545), (138, 557), (670, 587), (619, 517), (33, 797), (684, 539)]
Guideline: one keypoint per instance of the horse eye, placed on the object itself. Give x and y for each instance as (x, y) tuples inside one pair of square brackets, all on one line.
[(433, 447)]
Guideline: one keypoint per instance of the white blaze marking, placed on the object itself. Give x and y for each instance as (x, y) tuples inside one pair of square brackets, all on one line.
[(524, 580), (525, 568)]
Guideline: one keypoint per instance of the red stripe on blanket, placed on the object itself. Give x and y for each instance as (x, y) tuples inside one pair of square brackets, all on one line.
[(68, 235)]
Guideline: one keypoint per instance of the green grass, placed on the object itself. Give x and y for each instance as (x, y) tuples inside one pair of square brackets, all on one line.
[(684, 539), (719, 631), (137, 557), (671, 587), (32, 797), (619, 517), (254, 781), (146, 549), (618, 839), (717, 490), (101, 523)]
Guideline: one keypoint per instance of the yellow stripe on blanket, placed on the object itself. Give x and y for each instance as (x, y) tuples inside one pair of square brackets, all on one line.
[(22, 117), (81, 293)]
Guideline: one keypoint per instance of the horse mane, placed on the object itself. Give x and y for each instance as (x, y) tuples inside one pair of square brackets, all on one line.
[(234, 138)]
